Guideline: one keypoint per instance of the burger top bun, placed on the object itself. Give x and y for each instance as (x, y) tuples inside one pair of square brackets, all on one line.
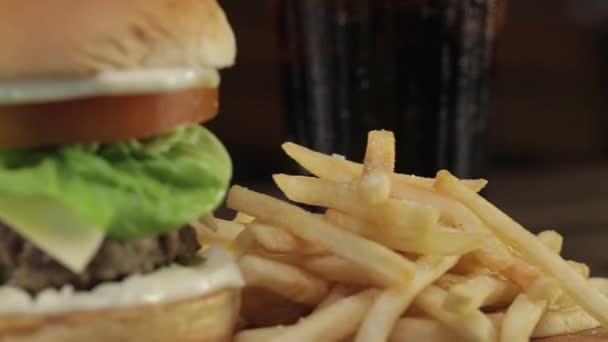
[(65, 38)]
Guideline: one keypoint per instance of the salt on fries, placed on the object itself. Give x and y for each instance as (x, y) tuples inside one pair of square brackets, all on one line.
[(338, 169), (441, 241), (401, 217), (396, 257), (378, 166), (524, 242), (385, 264)]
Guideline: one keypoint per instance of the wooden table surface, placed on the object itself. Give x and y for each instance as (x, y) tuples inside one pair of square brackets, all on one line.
[(594, 335)]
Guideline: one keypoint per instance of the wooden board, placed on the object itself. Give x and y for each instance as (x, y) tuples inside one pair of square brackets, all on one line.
[(593, 335)]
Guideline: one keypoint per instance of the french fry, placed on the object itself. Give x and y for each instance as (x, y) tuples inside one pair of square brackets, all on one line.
[(244, 242), (405, 220), (434, 242), (375, 187), (341, 170), (494, 254), (470, 265), (243, 218), (278, 240), (448, 280), (333, 167), (544, 288), (552, 239), (521, 273), (438, 242), (349, 222), (528, 246), (497, 317), (600, 284), (283, 279), (474, 326), (503, 295), (378, 166), (259, 334), (468, 256), (338, 292), (383, 264), (565, 302), (471, 294), (504, 291), (286, 258), (226, 231), (391, 303), (337, 269), (413, 329), (209, 221), (580, 268), (521, 318), (332, 323), (273, 239)]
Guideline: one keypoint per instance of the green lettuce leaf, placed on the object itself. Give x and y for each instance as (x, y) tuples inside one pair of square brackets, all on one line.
[(130, 189)]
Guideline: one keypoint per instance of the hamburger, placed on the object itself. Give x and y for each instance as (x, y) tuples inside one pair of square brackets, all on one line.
[(104, 165)]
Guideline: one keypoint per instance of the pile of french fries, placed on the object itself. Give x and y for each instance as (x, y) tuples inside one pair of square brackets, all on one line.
[(394, 257)]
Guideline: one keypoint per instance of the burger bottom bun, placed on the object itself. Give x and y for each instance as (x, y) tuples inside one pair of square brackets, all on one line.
[(210, 317)]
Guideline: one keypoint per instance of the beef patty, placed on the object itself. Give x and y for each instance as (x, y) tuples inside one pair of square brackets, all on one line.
[(25, 266)]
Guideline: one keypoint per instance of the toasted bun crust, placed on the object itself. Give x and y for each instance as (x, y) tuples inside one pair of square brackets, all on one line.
[(42, 39), (208, 318)]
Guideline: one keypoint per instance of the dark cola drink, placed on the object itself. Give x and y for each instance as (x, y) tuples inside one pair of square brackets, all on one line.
[(420, 68)]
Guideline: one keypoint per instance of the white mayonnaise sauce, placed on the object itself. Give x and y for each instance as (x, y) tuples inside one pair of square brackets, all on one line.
[(167, 284), (107, 84)]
